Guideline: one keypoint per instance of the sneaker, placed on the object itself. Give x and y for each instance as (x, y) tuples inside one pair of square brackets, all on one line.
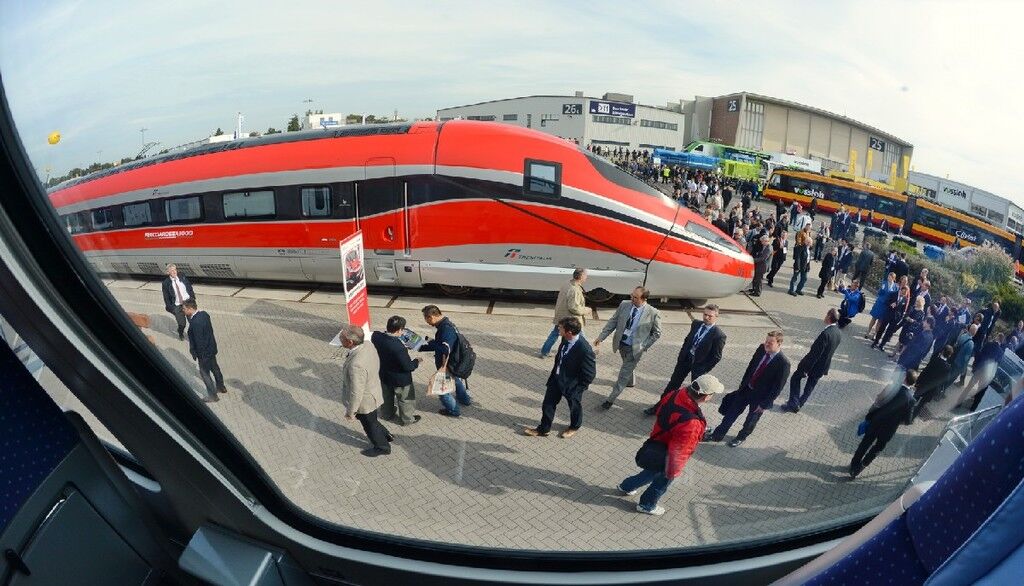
[(656, 511), (628, 492)]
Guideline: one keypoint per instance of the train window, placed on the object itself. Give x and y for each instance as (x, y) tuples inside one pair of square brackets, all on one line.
[(183, 209), (137, 214), (77, 223), (103, 219), (249, 204), (542, 178), (316, 202)]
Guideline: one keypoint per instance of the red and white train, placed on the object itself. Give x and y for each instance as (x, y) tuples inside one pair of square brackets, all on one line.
[(458, 204)]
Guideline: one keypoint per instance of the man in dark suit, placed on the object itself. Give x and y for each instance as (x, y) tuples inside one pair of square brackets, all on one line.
[(989, 317), (863, 265), (900, 266), (815, 363), (918, 346), (574, 369), (762, 382), (701, 351), (202, 345), (844, 257), (397, 387), (177, 289)]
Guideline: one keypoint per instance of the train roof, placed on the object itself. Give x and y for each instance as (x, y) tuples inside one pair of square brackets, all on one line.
[(268, 139)]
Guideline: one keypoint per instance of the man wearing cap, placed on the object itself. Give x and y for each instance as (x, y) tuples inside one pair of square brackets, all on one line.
[(815, 364), (762, 382), (678, 429), (701, 351)]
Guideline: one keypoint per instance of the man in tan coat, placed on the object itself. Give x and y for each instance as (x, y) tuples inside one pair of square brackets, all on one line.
[(361, 393), (570, 303)]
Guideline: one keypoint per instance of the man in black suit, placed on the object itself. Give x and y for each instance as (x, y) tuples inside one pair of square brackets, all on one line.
[(762, 382), (863, 265), (202, 345), (815, 363), (844, 257), (900, 266), (701, 351), (574, 369), (177, 289), (396, 368)]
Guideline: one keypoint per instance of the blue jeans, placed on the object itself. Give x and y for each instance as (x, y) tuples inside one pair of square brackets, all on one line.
[(461, 395), (802, 276), (658, 485), (550, 342)]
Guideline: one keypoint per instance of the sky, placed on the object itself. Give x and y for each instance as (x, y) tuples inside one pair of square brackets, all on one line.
[(942, 75)]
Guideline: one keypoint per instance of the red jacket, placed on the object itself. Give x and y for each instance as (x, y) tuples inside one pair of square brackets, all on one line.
[(681, 438)]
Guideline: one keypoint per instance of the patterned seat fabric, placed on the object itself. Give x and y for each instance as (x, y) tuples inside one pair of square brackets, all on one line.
[(887, 558)]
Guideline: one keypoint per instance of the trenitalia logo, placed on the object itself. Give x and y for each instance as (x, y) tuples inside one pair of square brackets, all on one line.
[(516, 254), (168, 234)]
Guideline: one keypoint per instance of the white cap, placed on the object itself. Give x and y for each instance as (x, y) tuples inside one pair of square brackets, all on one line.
[(707, 384)]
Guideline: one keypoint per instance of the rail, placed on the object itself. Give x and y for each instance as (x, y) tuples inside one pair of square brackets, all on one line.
[(961, 430)]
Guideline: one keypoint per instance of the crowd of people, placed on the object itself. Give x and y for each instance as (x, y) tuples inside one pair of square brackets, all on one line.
[(378, 385)]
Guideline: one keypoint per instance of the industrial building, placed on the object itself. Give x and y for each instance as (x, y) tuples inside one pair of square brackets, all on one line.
[(613, 120)]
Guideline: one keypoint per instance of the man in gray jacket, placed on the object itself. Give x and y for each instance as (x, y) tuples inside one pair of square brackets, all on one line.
[(361, 392), (636, 326), (570, 303)]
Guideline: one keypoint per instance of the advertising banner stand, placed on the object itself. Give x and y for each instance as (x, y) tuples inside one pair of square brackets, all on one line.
[(353, 273)]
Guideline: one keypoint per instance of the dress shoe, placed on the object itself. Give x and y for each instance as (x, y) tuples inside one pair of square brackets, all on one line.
[(415, 419), (735, 443), (855, 471), (534, 432), (374, 452), (651, 410), (212, 399), (222, 390), (799, 292), (709, 436), (568, 432), (606, 405), (820, 296), (390, 438), (447, 413), (789, 408), (181, 336), (543, 355)]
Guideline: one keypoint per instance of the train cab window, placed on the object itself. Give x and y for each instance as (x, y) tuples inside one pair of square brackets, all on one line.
[(316, 202), (183, 209), (137, 214), (103, 219), (249, 204), (542, 178)]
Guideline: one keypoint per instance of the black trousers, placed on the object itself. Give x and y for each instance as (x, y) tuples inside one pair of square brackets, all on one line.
[(375, 431), (796, 399), (552, 397), (730, 417), (775, 269), (684, 367), (874, 441), (860, 275), (821, 287), (179, 316), (207, 367), (891, 327)]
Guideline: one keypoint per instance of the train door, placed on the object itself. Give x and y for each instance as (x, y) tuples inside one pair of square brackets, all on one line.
[(381, 215)]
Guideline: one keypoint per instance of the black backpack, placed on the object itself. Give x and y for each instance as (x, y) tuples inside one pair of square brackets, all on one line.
[(462, 358)]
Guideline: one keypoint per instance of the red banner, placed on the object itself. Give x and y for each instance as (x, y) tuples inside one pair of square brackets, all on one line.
[(354, 273)]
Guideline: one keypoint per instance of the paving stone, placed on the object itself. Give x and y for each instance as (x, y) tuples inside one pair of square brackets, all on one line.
[(447, 304), (127, 284), (272, 293), (203, 289)]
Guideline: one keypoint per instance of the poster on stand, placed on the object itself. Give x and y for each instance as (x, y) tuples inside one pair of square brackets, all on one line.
[(354, 279)]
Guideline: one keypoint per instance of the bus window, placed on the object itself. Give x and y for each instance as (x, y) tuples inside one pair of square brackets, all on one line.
[(776, 181), (889, 207)]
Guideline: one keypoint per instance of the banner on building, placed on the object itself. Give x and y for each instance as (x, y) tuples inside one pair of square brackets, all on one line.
[(353, 270), (603, 108)]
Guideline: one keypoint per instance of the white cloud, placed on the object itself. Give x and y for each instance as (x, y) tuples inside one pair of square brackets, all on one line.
[(941, 75)]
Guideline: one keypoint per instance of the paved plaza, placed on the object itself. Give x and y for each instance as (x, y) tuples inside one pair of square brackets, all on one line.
[(477, 481)]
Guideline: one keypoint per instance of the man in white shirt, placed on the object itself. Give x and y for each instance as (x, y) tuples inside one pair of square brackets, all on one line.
[(574, 369), (634, 328), (177, 289)]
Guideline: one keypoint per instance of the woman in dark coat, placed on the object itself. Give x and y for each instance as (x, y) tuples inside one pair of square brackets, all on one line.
[(825, 272), (779, 246)]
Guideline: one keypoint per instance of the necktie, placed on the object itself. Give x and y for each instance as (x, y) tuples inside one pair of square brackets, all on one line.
[(698, 338), (760, 369), (632, 316), (177, 291), (561, 356), (627, 332)]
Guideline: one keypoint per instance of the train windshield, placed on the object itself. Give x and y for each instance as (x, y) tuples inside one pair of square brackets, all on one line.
[(233, 191)]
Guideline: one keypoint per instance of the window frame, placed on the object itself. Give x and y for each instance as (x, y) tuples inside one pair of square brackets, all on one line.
[(527, 178), (329, 200), (196, 220), (124, 217), (247, 193)]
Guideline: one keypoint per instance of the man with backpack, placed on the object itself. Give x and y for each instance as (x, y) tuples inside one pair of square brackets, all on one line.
[(452, 352), (678, 429)]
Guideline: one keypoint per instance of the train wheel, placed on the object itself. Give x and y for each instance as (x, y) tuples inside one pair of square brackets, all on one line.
[(599, 295), (455, 290)]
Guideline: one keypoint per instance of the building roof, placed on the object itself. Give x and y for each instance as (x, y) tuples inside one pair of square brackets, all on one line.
[(573, 97), (819, 111)]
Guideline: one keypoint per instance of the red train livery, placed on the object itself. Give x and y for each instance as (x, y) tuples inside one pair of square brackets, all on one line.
[(457, 204)]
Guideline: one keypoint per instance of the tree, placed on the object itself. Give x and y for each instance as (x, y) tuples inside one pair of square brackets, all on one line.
[(371, 119), (219, 132), (293, 124), (254, 134), (272, 130), (353, 119)]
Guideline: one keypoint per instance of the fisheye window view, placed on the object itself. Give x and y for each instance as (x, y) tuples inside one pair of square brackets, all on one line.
[(397, 293)]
